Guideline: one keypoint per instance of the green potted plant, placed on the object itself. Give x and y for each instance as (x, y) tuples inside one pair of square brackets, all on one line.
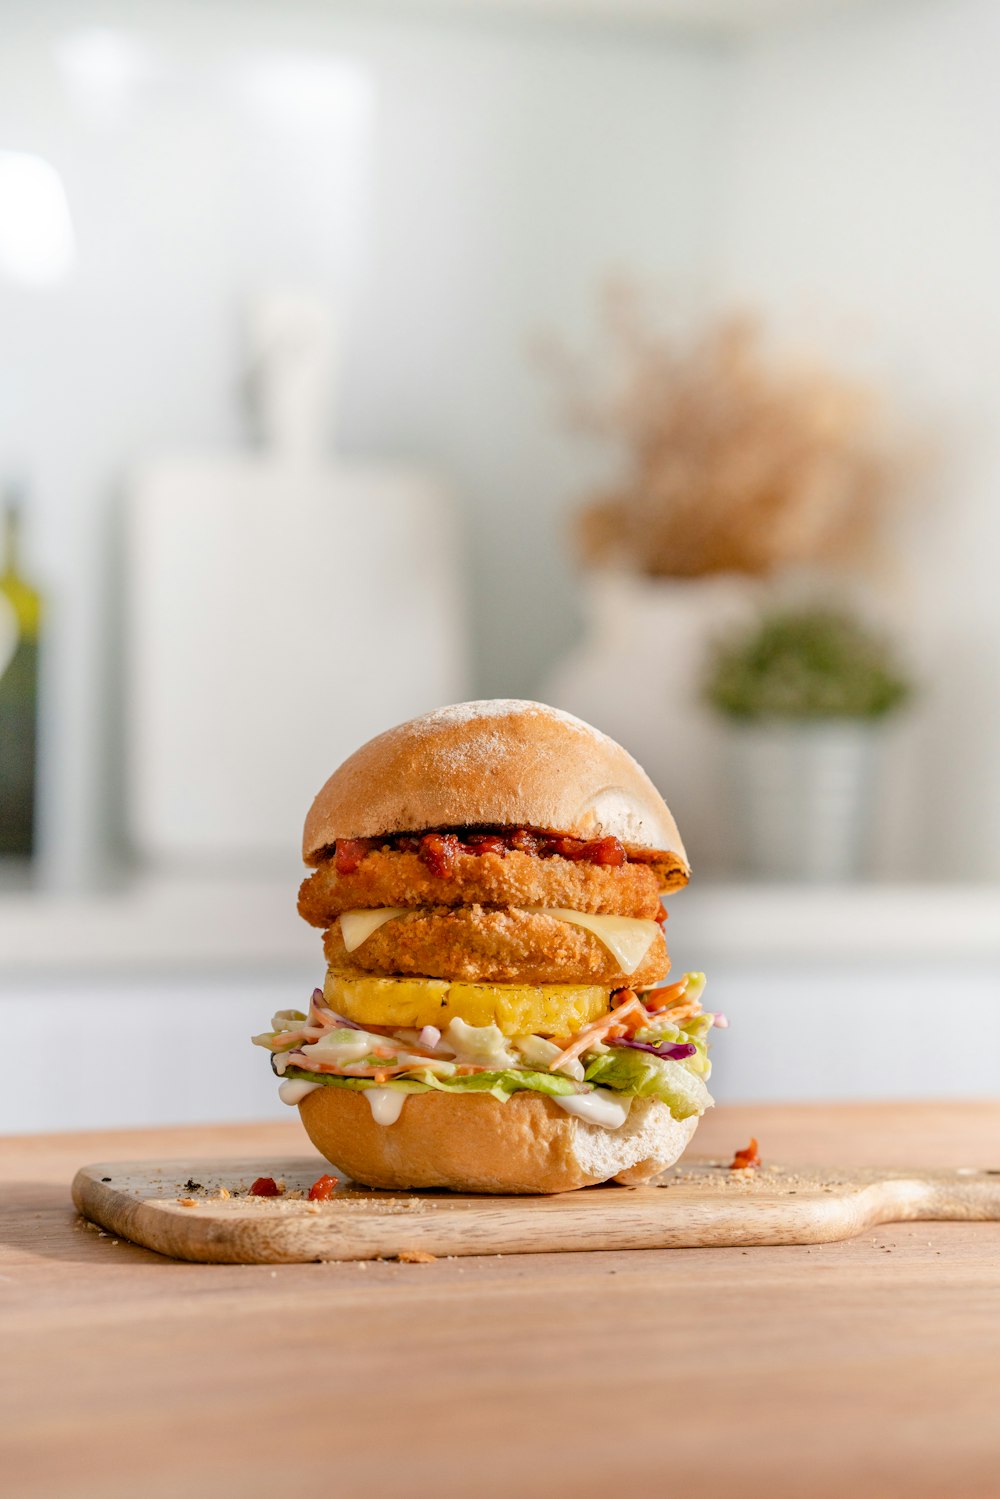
[(804, 694)]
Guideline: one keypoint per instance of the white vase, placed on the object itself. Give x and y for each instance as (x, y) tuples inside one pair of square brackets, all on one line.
[(802, 797), (638, 675)]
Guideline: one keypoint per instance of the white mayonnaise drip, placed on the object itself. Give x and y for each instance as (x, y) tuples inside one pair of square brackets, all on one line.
[(600, 1107), (294, 1089), (386, 1104)]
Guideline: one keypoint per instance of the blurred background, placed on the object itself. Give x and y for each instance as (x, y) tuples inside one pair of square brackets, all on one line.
[(640, 356)]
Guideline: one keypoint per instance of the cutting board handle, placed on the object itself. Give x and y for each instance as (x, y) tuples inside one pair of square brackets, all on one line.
[(967, 1193)]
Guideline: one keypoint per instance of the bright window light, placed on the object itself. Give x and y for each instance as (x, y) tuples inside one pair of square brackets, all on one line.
[(308, 93), (37, 245), (103, 69)]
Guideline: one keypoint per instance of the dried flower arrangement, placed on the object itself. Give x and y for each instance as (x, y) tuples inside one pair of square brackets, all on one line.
[(735, 461)]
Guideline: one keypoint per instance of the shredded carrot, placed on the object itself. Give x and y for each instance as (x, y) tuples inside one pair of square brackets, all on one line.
[(681, 1013), (635, 1021), (280, 1040), (671, 994), (321, 1014), (596, 1031)]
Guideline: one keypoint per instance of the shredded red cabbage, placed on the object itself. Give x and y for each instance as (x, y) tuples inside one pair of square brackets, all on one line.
[(675, 1050)]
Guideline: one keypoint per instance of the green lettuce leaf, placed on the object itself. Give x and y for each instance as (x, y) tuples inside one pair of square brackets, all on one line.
[(630, 1072), (695, 1031), (358, 1083), (514, 1080), (500, 1084), (645, 1076)]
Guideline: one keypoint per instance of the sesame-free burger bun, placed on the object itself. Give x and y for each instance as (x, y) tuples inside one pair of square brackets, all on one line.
[(497, 764), (470, 1142)]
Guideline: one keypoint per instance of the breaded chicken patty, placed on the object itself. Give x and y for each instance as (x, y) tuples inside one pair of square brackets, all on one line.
[(395, 878), (485, 944)]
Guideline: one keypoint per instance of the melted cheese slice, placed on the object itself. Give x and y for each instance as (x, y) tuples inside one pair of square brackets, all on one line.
[(357, 926), (627, 938)]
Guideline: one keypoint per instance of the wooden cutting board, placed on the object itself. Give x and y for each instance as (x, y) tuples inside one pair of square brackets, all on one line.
[(181, 1209)]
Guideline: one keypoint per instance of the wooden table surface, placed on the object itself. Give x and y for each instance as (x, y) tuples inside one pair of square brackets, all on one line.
[(867, 1368)]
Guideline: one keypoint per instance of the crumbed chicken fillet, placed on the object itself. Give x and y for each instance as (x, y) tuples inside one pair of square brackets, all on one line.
[(394, 878), (483, 943)]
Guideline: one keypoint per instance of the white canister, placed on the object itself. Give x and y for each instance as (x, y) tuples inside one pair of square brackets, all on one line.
[(801, 797)]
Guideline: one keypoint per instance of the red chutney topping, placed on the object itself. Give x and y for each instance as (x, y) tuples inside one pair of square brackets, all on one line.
[(348, 853), (440, 850), (322, 1189), (265, 1186), (747, 1159)]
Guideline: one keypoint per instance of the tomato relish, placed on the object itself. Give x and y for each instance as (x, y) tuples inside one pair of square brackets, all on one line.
[(439, 850)]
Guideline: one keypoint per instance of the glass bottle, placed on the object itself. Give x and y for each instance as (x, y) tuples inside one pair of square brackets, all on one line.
[(20, 623)]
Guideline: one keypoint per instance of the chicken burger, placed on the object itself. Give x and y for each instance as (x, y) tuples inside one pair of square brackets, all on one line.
[(495, 1016)]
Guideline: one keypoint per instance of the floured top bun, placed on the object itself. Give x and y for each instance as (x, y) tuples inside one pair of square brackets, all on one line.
[(500, 763)]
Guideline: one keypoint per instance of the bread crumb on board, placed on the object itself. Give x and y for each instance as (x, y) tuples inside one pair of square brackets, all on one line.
[(415, 1257)]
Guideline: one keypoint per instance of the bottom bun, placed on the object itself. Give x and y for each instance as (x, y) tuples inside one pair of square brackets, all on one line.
[(474, 1143)]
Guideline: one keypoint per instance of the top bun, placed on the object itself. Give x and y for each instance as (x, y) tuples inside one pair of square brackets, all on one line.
[(501, 763)]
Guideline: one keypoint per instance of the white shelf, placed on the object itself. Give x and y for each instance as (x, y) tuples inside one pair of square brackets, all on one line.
[(843, 922), (175, 926), (157, 926)]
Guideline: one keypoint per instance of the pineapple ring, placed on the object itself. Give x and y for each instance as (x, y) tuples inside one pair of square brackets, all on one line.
[(517, 1009)]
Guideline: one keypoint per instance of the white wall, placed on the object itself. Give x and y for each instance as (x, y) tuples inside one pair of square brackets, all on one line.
[(841, 172), (862, 211), (497, 177)]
